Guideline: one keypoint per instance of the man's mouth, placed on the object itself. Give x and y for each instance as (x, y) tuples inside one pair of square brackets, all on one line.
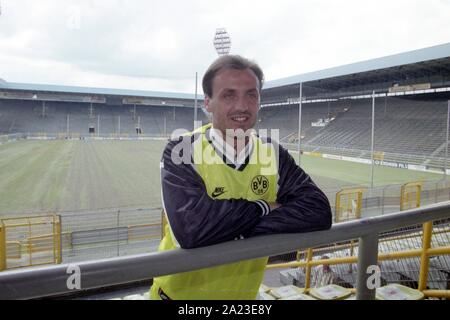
[(240, 118)]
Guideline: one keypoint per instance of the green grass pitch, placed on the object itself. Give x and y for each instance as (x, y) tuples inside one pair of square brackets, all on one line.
[(57, 176)]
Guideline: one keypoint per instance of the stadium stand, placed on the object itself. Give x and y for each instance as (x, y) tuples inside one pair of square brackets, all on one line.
[(285, 118), (410, 127), (22, 116), (413, 127), (410, 131)]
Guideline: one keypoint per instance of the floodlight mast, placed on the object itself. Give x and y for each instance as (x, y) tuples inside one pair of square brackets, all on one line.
[(222, 42)]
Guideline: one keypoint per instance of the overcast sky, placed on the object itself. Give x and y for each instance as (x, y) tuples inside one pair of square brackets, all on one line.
[(159, 45)]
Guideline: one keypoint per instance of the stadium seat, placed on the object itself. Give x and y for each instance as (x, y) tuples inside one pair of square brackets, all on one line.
[(396, 291), (300, 296), (330, 292), (265, 296), (286, 291), (264, 288), (288, 277)]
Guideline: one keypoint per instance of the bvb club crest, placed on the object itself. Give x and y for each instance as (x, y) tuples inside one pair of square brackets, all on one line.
[(260, 185)]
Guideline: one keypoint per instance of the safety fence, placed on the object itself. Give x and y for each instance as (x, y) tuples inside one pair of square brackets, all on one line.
[(30, 241), (11, 137), (81, 236), (419, 162), (53, 281), (77, 236), (84, 136), (401, 251), (79, 136), (388, 198), (107, 233), (400, 256)]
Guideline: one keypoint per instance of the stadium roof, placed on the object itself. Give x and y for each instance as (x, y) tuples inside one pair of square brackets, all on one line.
[(98, 91), (426, 61), (410, 57)]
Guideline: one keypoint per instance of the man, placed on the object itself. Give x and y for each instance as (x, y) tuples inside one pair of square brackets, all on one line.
[(222, 183), (323, 275)]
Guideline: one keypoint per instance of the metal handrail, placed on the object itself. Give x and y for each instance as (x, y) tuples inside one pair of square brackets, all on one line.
[(53, 280)]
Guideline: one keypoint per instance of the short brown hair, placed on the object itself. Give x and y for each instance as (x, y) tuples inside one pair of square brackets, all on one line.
[(230, 62)]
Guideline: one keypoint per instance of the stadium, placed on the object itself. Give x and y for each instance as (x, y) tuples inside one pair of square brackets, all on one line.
[(79, 177)]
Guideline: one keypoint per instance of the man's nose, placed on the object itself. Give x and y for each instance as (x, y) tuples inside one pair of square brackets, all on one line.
[(241, 104)]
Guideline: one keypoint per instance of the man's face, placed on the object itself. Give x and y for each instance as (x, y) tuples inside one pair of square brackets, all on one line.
[(235, 100)]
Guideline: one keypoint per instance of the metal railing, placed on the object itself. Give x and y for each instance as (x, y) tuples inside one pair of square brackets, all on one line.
[(30, 241), (44, 135), (84, 235), (425, 160), (55, 280)]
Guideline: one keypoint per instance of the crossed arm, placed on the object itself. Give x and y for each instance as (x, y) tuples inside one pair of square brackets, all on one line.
[(198, 220)]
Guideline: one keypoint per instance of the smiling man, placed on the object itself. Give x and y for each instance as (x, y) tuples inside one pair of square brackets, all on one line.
[(223, 182), (235, 103)]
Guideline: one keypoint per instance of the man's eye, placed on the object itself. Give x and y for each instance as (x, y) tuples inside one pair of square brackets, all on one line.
[(228, 95)]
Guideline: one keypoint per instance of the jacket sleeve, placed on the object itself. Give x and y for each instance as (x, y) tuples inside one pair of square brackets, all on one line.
[(304, 207), (195, 218)]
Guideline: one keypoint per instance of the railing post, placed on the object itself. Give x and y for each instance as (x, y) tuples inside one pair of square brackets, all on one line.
[(27, 284), (425, 259), (58, 242), (382, 201), (30, 253), (367, 256), (352, 252), (308, 269), (436, 192), (2, 246)]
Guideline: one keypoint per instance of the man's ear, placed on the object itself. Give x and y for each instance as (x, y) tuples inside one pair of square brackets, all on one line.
[(207, 104)]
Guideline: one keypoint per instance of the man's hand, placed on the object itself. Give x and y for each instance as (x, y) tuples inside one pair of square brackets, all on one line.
[(274, 205)]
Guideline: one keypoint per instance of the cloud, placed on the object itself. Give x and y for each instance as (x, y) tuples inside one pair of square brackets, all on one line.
[(161, 44)]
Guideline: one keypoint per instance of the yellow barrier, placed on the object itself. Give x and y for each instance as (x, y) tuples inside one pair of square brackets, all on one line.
[(425, 258), (381, 257), (38, 241), (146, 235), (308, 268), (2, 247), (378, 155), (57, 247), (410, 195), (425, 253), (15, 254), (437, 293), (316, 154), (348, 204)]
